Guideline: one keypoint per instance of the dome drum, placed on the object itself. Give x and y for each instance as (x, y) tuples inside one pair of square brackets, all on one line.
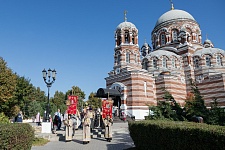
[(176, 28)]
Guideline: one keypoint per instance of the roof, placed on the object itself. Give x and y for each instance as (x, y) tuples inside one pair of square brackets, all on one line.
[(174, 15), (105, 93), (126, 24), (209, 50), (159, 53)]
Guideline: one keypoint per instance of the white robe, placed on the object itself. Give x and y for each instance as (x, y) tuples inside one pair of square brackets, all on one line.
[(108, 128), (86, 129), (69, 130)]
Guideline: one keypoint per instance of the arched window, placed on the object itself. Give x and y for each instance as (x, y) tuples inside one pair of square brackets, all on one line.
[(127, 37), (145, 87), (164, 65), (218, 60), (118, 58), (127, 57), (173, 62), (208, 61), (133, 39), (154, 63), (174, 35), (145, 65), (135, 58), (163, 39), (196, 63)]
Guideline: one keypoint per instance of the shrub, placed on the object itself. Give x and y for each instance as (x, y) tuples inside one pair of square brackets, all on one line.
[(17, 136), (176, 135), (3, 119)]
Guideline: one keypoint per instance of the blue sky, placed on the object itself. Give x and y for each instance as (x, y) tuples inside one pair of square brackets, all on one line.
[(76, 37)]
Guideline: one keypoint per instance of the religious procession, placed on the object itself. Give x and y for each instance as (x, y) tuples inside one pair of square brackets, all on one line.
[(88, 120)]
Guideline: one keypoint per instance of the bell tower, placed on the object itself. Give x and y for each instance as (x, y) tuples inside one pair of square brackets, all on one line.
[(126, 46)]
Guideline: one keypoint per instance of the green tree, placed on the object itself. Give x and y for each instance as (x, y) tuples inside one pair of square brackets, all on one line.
[(196, 106), (167, 109), (7, 87), (24, 94), (59, 102), (93, 101), (216, 114), (59, 99), (34, 107)]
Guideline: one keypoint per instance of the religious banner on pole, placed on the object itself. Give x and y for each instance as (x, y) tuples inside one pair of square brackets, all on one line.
[(107, 108), (72, 104)]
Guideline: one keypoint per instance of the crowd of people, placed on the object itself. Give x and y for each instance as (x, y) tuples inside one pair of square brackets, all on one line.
[(88, 120)]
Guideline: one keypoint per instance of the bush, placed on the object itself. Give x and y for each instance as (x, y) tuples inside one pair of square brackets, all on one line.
[(4, 119), (17, 136), (176, 135)]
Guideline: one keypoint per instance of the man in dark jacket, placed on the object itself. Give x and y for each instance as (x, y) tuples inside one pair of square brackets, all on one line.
[(19, 117)]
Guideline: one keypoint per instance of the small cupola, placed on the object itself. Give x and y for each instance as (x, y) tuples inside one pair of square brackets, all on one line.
[(126, 33), (145, 49), (207, 43)]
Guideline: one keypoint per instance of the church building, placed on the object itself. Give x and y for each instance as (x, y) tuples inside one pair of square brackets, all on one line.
[(141, 74)]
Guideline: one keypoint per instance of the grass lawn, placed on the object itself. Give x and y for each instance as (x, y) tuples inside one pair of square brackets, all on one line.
[(39, 141)]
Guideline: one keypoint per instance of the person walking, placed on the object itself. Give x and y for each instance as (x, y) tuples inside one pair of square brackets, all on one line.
[(86, 129), (38, 119), (69, 128), (59, 119), (91, 115), (108, 128), (19, 117)]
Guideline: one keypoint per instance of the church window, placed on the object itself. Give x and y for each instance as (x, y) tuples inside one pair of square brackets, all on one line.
[(145, 65), (196, 63), (173, 61), (118, 59), (164, 65), (135, 58), (218, 60), (133, 39), (197, 37), (208, 61), (163, 39), (145, 87), (174, 35), (126, 37), (154, 63), (128, 57)]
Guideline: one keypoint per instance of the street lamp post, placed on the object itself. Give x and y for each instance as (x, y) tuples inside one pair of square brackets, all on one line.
[(49, 74)]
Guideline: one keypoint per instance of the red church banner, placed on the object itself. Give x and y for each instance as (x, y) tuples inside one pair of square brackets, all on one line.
[(72, 108), (107, 108)]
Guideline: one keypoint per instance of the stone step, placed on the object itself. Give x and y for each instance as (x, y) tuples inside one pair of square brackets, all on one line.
[(60, 135)]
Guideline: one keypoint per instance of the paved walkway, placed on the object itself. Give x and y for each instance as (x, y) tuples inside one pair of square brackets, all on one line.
[(121, 140)]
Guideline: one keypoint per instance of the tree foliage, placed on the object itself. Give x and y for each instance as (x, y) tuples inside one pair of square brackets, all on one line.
[(93, 101), (195, 106), (7, 85)]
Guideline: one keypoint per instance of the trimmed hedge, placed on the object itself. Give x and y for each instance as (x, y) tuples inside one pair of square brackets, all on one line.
[(16, 136), (174, 135)]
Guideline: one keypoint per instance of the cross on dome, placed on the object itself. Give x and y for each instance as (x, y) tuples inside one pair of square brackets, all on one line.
[(125, 15)]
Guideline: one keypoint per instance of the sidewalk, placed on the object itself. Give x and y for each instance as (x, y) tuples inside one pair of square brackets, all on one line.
[(121, 140)]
